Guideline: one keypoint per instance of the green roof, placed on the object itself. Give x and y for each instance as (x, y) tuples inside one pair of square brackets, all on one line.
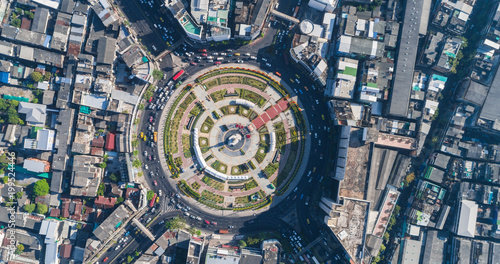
[(439, 77), (373, 85), (349, 71), (212, 19), (46, 175)]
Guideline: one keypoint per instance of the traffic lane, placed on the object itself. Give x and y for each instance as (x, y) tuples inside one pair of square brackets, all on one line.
[(144, 29)]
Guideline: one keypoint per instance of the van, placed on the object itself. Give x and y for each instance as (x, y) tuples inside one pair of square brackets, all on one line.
[(220, 58)]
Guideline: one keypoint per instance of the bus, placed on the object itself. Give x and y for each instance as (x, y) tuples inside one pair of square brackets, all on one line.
[(156, 136), (178, 75), (152, 202)]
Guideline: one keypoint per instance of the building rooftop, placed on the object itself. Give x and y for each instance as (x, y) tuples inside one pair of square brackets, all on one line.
[(434, 249), (467, 220), (407, 55)]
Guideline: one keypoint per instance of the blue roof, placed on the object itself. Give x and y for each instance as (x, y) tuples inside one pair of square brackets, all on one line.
[(4, 77)]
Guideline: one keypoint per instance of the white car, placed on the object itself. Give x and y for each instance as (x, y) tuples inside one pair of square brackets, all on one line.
[(146, 166)]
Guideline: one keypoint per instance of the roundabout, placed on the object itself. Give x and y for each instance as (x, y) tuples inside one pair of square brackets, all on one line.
[(234, 138)]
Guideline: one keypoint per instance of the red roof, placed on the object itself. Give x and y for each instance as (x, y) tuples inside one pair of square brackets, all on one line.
[(55, 213), (105, 203), (98, 142), (65, 251), (110, 141)]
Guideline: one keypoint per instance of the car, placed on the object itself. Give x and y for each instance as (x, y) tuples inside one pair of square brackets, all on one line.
[(145, 153), (146, 166), (297, 80), (268, 65), (105, 259), (214, 223), (215, 54), (217, 63), (207, 222), (202, 50), (230, 226), (264, 59), (317, 102), (155, 182), (315, 135), (150, 157), (186, 213), (223, 54), (194, 63)]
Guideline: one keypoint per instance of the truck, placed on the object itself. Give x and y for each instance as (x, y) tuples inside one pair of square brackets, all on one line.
[(156, 136), (223, 231)]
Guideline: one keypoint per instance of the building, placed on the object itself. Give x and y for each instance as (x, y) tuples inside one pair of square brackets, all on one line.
[(44, 139), (466, 219), (323, 5), (35, 113), (86, 175), (407, 55), (106, 229), (344, 83)]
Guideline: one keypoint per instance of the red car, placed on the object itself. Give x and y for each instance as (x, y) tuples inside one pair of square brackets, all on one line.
[(150, 119), (105, 259), (217, 63), (214, 223), (207, 222), (156, 183), (204, 55), (202, 50), (193, 63), (150, 99)]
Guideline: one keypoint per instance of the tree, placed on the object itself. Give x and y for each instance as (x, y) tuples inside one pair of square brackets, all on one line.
[(79, 226), (157, 74), (192, 230), (242, 244), (386, 236), (140, 174), (129, 259), (136, 253), (41, 188), (29, 14), (382, 248), (135, 152), (41, 208), (5, 179), (19, 249), (409, 179), (135, 143), (13, 116), (120, 200), (198, 232), (36, 76), (103, 165), (35, 101), (113, 177), (100, 190), (47, 76), (105, 157), (137, 163), (175, 223), (141, 107), (19, 195), (16, 22), (150, 195), (29, 208)]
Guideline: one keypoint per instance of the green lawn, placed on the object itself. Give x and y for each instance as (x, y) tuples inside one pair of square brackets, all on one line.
[(218, 185), (207, 125), (212, 196), (219, 95)]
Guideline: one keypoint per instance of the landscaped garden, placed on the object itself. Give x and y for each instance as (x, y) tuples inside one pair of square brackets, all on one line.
[(248, 159)]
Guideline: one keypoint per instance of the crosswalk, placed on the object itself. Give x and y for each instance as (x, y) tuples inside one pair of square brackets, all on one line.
[(166, 206)]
